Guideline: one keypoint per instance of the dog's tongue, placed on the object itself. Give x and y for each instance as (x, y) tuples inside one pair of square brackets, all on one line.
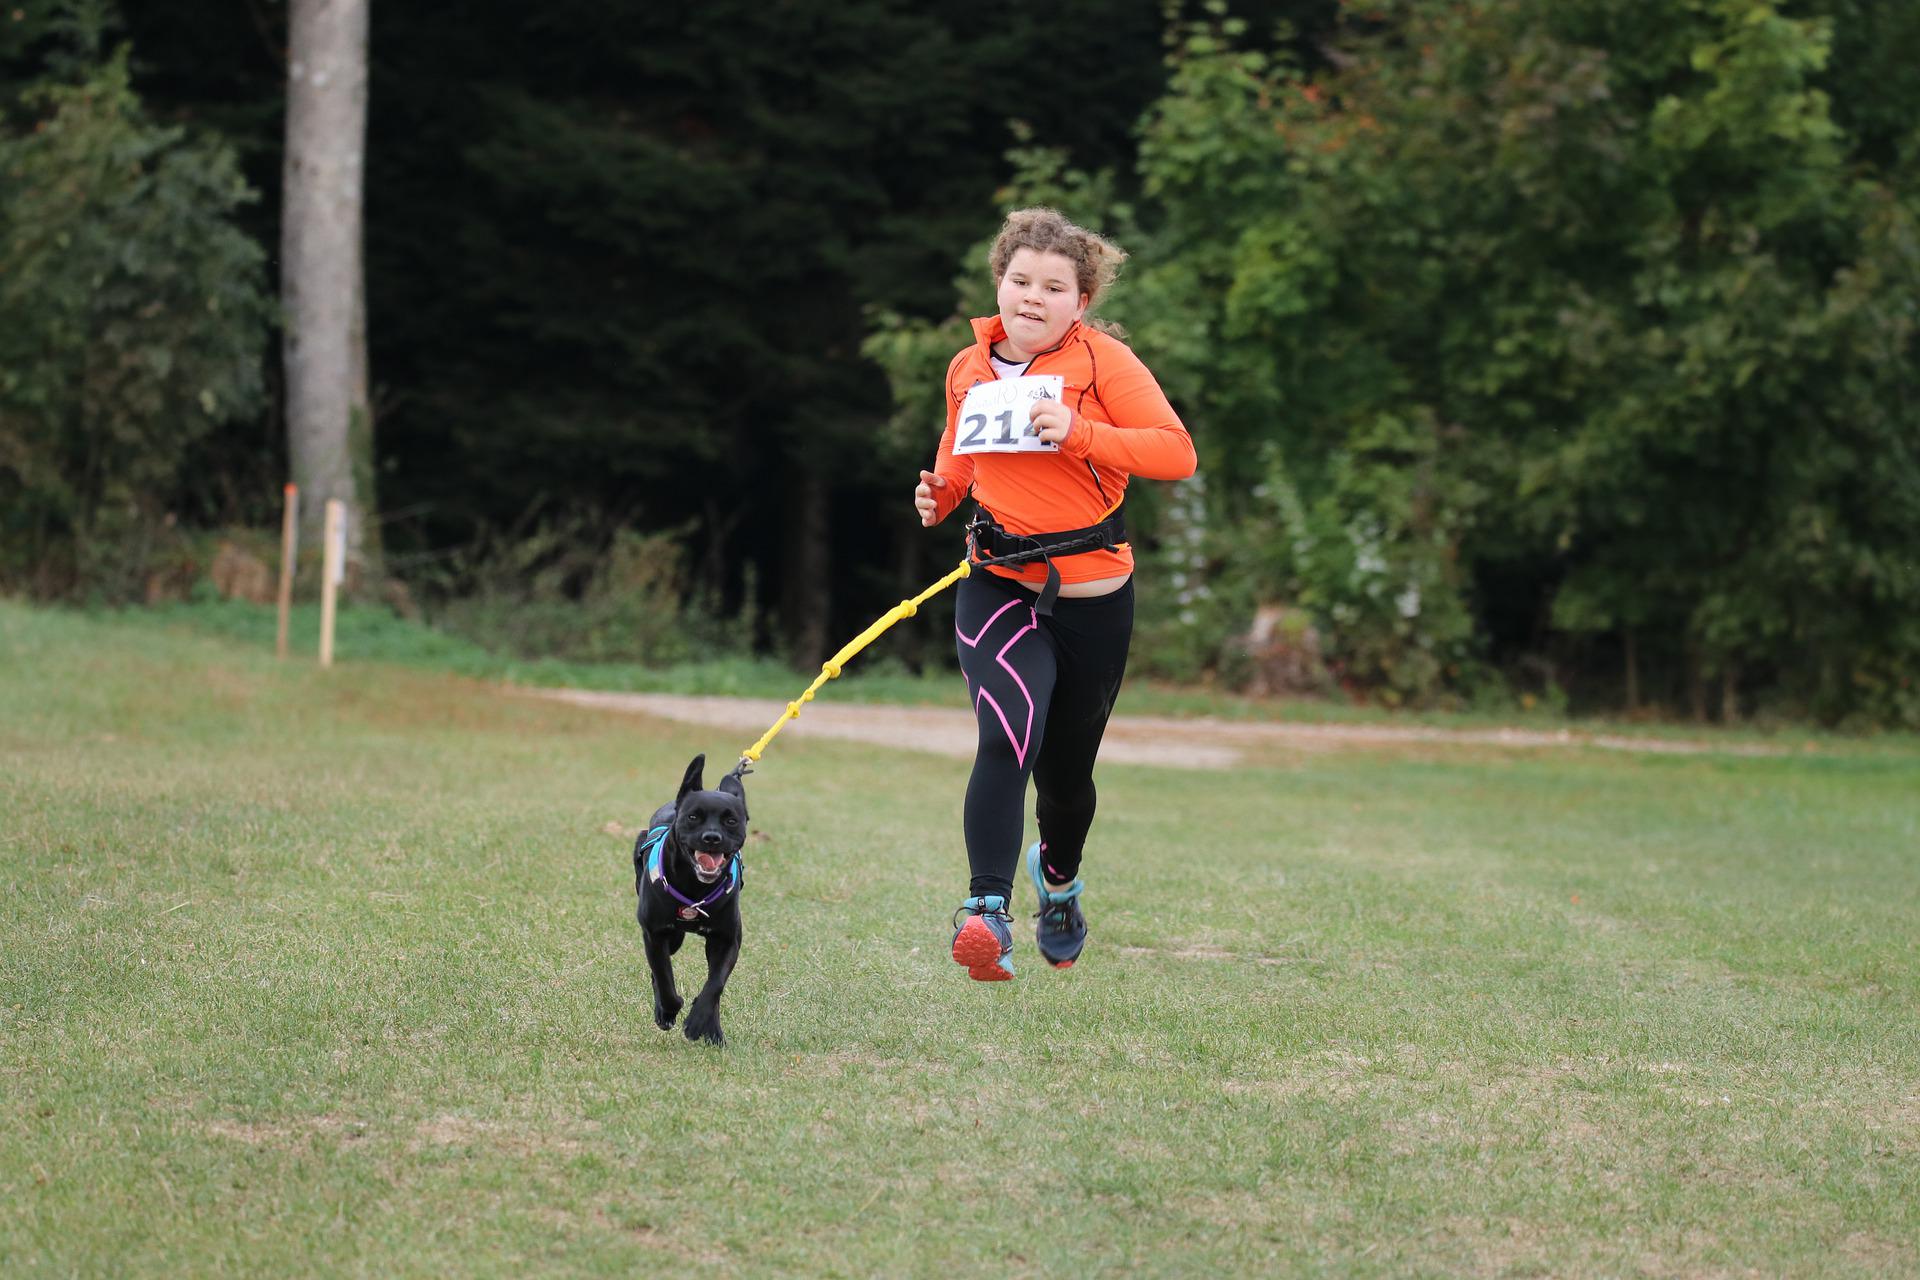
[(710, 862)]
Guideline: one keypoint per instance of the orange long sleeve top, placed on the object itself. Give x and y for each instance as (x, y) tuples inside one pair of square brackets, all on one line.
[(1122, 427)]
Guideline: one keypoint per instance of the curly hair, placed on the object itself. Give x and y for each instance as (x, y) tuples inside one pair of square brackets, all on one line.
[(1096, 260)]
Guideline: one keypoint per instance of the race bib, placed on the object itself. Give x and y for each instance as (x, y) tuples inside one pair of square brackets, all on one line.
[(993, 417)]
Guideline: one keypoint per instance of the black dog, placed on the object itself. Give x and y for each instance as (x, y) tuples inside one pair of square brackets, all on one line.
[(687, 871)]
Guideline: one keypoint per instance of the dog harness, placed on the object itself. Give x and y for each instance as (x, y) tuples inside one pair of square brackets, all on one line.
[(689, 909)]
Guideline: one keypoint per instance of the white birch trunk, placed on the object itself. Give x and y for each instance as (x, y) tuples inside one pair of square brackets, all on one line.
[(328, 421)]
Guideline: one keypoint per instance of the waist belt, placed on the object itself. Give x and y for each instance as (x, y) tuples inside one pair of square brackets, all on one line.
[(988, 543)]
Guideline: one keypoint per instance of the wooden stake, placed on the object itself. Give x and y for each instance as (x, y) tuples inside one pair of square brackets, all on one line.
[(289, 548), (333, 568)]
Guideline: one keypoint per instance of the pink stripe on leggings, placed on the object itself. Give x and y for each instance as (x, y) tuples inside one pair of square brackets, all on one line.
[(1021, 743)]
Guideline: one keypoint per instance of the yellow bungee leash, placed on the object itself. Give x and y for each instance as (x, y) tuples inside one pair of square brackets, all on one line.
[(1056, 544), (832, 666)]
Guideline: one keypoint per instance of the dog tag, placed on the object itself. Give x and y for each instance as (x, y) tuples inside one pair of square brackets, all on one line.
[(993, 419), (689, 913)]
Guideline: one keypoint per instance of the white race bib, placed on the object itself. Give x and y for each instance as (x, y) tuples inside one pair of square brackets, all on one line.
[(993, 417)]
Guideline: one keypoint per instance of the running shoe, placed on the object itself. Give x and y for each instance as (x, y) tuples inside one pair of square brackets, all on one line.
[(983, 939), (1062, 930)]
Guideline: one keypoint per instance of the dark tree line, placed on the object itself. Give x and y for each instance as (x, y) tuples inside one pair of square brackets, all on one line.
[(621, 258), (1570, 341)]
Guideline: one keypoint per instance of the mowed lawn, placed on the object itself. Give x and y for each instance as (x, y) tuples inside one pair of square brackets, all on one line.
[(336, 973)]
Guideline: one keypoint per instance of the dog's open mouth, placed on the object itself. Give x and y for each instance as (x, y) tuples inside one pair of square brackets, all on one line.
[(708, 866)]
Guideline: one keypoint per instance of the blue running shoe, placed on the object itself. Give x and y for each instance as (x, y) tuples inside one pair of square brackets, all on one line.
[(983, 940), (1062, 930)]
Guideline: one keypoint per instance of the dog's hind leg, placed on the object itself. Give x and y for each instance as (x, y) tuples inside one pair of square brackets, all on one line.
[(703, 1020), (666, 1000)]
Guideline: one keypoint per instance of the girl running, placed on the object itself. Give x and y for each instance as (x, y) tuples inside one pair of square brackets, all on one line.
[(1043, 636)]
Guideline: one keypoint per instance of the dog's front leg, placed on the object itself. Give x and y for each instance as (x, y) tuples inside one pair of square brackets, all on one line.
[(703, 1020), (666, 999)]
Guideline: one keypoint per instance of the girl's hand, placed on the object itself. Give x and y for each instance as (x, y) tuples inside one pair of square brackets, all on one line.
[(923, 497), (1052, 421)]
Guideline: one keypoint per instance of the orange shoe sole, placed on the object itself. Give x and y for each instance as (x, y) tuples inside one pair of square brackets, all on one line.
[(976, 948)]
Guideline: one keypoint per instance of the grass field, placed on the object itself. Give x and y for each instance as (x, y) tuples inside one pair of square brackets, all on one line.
[(308, 972)]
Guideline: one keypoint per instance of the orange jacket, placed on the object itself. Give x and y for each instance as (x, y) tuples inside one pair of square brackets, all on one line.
[(1122, 426)]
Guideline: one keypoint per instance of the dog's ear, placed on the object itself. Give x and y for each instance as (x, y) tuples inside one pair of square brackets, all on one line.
[(691, 782), (731, 785)]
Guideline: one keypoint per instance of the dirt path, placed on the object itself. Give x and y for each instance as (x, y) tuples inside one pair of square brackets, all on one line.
[(1184, 743)]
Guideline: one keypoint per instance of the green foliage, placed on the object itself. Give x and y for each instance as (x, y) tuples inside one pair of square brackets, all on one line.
[(1602, 298), (1179, 629), (1372, 557), (915, 352), (1375, 558), (135, 321), (567, 591), (1587, 320)]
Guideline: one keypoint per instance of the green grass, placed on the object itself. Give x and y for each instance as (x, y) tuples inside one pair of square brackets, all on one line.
[(373, 634), (336, 973)]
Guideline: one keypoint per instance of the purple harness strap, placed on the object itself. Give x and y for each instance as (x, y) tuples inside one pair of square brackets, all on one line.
[(690, 908)]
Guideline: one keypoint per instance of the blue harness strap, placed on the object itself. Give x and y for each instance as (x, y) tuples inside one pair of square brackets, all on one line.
[(656, 840)]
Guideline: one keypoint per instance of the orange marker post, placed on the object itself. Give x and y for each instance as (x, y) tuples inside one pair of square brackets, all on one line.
[(289, 548)]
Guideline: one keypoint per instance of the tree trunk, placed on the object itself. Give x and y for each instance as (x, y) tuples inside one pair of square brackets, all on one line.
[(808, 592), (1633, 671), (722, 518), (329, 425), (1696, 684), (365, 538), (1730, 693)]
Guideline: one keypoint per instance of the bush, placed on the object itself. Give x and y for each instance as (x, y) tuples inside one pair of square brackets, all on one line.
[(1619, 281), (571, 590), (136, 317), (1372, 561)]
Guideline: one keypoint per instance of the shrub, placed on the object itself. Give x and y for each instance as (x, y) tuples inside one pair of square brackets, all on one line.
[(570, 589), (135, 319)]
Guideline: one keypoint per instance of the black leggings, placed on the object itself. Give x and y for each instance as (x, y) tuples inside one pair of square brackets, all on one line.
[(1041, 689)]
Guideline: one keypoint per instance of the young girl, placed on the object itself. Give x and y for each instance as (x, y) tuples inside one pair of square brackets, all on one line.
[(1043, 635)]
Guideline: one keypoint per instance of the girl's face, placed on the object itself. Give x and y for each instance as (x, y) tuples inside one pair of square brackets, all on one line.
[(1040, 299)]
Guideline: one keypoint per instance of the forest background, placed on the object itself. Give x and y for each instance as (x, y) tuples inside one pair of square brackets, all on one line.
[(1550, 349)]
